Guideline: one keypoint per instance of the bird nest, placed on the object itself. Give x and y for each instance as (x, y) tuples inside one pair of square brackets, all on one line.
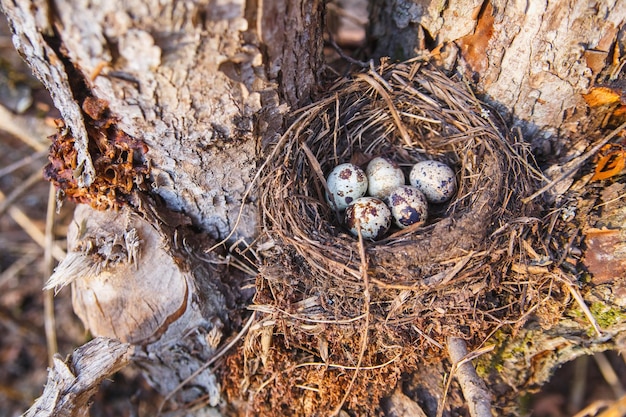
[(361, 312)]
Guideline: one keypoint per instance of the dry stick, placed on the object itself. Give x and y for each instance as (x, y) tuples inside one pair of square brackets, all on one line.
[(215, 357), (474, 389), (16, 267), (581, 303), (22, 162), (609, 374), (48, 295), (33, 230), (19, 191), (366, 299), (25, 128), (594, 408), (579, 161), (617, 409), (578, 384), (348, 58), (471, 356)]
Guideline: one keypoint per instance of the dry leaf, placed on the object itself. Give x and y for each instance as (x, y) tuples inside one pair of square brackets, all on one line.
[(610, 165), (602, 96)]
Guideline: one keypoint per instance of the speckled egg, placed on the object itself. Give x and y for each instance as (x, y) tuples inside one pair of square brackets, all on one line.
[(435, 179), (373, 216), (408, 206), (383, 176), (346, 183)]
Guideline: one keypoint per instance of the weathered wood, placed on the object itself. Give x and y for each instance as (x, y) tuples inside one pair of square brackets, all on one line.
[(190, 79), (475, 392), (131, 281), (34, 37), (110, 263), (72, 383)]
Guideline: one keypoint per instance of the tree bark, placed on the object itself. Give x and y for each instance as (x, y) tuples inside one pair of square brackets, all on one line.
[(207, 86), (533, 60)]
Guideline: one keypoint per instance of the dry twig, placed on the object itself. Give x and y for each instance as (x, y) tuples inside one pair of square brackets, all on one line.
[(577, 163), (19, 191), (617, 409), (48, 296), (474, 389), (366, 313), (609, 374)]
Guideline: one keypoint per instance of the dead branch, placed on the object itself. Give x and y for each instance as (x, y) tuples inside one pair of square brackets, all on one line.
[(72, 383)]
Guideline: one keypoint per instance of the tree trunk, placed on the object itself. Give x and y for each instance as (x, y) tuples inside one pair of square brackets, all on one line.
[(197, 93), (534, 61)]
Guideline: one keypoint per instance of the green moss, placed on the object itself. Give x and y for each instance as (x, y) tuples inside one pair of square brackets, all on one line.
[(503, 353), (606, 315), (525, 404)]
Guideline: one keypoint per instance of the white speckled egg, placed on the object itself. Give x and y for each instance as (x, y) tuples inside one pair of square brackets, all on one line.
[(383, 176), (373, 217), (435, 179), (408, 206), (346, 183)]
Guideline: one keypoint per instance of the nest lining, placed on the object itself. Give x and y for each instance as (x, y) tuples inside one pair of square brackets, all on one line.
[(448, 278)]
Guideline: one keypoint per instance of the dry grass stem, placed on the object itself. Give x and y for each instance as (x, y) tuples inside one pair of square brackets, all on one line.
[(581, 302), (28, 160), (26, 129), (48, 296), (32, 230), (366, 313), (16, 267), (19, 191), (609, 374), (579, 383)]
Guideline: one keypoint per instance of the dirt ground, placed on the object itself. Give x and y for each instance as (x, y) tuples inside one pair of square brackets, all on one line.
[(587, 383)]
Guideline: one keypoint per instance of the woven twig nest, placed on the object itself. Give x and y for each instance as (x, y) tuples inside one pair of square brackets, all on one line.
[(407, 112), (414, 287)]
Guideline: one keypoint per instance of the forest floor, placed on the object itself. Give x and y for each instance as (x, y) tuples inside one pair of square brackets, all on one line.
[(588, 383)]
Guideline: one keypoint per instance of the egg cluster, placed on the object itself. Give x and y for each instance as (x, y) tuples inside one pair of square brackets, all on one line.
[(388, 197)]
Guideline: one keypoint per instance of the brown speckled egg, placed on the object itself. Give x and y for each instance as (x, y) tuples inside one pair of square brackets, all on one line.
[(408, 206), (435, 179), (346, 183), (383, 176), (373, 216)]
